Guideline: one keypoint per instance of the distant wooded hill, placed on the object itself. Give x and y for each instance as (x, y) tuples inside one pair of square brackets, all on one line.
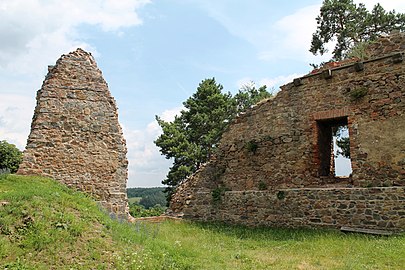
[(148, 197)]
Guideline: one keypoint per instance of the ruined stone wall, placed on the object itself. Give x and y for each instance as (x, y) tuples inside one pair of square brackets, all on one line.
[(75, 135), (369, 96), (370, 208)]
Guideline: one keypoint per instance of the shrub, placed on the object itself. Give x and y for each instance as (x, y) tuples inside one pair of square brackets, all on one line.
[(262, 185), (217, 194), (10, 157), (252, 146), (281, 195), (358, 93), (137, 210)]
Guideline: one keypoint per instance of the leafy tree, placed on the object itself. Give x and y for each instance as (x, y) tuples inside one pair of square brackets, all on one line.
[(193, 136), (10, 157), (143, 192), (349, 25)]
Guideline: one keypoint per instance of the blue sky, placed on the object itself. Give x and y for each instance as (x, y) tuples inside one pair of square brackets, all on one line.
[(153, 54)]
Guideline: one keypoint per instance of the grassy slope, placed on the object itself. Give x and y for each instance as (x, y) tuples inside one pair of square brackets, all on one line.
[(47, 226)]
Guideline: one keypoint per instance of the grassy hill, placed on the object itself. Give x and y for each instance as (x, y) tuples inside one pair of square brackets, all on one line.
[(44, 225)]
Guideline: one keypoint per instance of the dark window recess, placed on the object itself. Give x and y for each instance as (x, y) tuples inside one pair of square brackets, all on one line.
[(333, 142)]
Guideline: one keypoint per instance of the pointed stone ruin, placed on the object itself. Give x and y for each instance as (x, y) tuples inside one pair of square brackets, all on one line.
[(75, 134)]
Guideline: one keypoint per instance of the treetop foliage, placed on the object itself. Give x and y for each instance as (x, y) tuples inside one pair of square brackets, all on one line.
[(142, 192), (349, 24)]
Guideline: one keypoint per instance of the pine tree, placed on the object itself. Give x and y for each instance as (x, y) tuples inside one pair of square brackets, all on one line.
[(350, 25), (193, 136)]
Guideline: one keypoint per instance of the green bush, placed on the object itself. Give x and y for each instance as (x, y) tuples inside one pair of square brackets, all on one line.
[(217, 194), (281, 195), (137, 210), (358, 93), (10, 157), (262, 185), (252, 146)]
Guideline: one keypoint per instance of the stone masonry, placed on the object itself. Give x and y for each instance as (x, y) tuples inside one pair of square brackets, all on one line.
[(273, 166), (75, 135)]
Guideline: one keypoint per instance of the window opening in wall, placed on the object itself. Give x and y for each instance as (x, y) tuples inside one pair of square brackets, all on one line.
[(334, 147), (341, 151)]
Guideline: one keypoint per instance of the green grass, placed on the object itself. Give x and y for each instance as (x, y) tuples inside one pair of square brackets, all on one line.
[(44, 225)]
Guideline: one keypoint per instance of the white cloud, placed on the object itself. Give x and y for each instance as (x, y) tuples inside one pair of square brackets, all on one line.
[(36, 32), (296, 29), (15, 118), (147, 167), (168, 115), (288, 38), (291, 37)]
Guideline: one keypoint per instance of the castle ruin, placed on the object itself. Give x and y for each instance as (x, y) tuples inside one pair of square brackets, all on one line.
[(75, 135), (275, 163)]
